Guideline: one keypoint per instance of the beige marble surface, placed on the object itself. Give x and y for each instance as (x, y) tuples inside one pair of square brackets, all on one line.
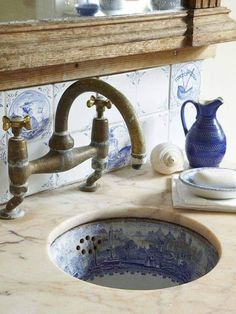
[(31, 284)]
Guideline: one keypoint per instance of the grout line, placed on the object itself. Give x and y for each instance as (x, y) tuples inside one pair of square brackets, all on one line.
[(169, 100)]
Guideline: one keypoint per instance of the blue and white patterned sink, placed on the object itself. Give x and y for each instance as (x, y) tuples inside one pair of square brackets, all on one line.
[(134, 253)]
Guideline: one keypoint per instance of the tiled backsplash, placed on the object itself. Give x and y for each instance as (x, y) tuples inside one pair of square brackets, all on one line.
[(156, 94)]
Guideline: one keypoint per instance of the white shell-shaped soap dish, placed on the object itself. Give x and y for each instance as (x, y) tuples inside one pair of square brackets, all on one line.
[(211, 183)]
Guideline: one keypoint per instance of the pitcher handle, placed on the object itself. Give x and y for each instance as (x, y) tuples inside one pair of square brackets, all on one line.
[(183, 114)]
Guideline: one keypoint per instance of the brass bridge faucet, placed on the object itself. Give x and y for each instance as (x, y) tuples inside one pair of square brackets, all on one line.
[(62, 155)]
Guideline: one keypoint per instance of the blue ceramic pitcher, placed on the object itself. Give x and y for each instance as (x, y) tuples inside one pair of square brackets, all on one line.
[(205, 141)]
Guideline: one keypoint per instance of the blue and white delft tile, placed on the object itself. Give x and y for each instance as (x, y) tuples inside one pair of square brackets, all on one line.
[(176, 133), (119, 147), (80, 116), (155, 129), (39, 182), (185, 83), (34, 102), (119, 140), (4, 186), (152, 90), (126, 83), (80, 172)]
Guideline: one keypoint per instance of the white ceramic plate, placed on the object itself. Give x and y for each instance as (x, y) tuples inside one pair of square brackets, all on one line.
[(189, 178)]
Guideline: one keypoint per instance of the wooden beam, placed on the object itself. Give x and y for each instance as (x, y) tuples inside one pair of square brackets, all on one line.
[(73, 71), (63, 50), (56, 45)]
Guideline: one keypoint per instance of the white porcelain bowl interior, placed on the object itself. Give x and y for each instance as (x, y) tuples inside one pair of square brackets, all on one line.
[(133, 253)]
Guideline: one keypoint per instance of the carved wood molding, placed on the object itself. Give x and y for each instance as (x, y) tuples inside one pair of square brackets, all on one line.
[(211, 26), (71, 44), (52, 44), (200, 4)]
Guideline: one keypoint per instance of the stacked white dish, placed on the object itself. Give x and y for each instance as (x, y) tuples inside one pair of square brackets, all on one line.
[(214, 183), (205, 189)]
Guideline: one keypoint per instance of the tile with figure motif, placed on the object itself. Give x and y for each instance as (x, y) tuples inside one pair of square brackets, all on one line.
[(119, 140), (126, 83), (176, 132), (80, 172), (80, 116), (39, 182), (2, 113), (119, 146), (185, 83), (4, 186), (35, 102), (152, 90)]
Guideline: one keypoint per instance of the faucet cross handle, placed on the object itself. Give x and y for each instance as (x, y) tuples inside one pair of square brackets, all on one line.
[(16, 123), (99, 102)]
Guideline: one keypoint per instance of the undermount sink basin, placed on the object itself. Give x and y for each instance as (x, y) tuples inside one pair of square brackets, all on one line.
[(133, 253)]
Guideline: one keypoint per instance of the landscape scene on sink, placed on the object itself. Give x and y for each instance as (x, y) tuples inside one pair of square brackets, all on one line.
[(134, 246)]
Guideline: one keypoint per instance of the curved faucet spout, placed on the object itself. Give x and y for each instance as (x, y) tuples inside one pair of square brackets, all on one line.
[(63, 156), (62, 141)]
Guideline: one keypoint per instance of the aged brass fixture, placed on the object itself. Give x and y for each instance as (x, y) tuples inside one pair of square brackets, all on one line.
[(62, 155)]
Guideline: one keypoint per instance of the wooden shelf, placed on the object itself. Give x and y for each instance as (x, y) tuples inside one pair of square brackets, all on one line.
[(48, 52)]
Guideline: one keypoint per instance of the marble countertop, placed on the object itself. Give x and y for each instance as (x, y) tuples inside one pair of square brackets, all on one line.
[(31, 284)]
